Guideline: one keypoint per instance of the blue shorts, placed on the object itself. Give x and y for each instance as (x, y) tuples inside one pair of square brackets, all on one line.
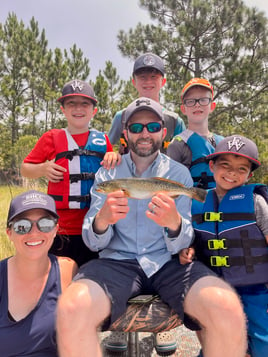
[(123, 279), (255, 301)]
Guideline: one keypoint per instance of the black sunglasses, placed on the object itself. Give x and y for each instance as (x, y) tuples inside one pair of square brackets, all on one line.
[(137, 128), (192, 102), (24, 225)]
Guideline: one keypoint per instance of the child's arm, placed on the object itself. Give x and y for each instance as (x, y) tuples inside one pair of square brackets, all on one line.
[(111, 159), (48, 169), (186, 255)]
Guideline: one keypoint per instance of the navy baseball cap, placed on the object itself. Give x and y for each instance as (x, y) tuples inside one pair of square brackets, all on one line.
[(77, 87), (143, 103), (237, 145), (151, 61), (30, 200)]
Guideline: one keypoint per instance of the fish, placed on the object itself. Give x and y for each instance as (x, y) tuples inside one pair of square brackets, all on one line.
[(141, 188)]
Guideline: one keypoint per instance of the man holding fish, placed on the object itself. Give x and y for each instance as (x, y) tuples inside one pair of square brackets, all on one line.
[(138, 241)]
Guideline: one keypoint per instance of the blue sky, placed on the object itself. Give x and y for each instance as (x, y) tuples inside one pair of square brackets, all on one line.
[(92, 24)]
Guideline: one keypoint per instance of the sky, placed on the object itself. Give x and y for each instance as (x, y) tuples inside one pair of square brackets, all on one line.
[(93, 25)]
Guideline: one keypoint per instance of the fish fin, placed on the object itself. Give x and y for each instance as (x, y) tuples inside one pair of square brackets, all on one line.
[(126, 192), (168, 181), (199, 194)]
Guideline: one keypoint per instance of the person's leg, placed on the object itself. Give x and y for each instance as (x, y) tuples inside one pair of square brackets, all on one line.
[(255, 302), (216, 306), (81, 309)]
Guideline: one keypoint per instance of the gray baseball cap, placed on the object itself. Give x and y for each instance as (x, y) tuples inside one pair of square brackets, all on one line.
[(149, 61), (143, 103), (237, 145), (30, 200), (77, 87)]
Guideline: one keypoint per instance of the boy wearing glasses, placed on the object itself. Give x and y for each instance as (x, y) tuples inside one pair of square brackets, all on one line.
[(69, 159), (138, 242), (193, 145)]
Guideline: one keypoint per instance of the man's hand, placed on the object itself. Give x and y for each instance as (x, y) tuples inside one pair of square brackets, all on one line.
[(115, 207), (163, 211)]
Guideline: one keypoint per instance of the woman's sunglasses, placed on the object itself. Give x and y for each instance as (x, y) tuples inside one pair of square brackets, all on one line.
[(24, 225), (137, 128)]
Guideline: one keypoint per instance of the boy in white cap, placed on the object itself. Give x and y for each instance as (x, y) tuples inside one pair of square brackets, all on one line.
[(191, 147), (231, 232), (69, 158), (148, 78)]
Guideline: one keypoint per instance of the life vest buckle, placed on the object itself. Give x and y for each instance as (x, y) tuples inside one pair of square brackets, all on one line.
[(217, 261), (214, 244), (213, 217)]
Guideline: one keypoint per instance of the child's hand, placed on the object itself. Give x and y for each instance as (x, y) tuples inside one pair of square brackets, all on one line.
[(186, 255), (111, 159)]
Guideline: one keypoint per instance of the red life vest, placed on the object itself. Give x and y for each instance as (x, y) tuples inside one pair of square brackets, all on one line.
[(73, 192)]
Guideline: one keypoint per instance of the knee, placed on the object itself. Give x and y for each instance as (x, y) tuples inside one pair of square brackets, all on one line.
[(215, 303), (74, 303)]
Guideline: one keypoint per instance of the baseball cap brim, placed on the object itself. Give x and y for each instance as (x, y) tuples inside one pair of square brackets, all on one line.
[(255, 163), (61, 99)]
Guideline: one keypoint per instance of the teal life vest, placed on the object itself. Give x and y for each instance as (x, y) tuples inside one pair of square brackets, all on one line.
[(200, 148)]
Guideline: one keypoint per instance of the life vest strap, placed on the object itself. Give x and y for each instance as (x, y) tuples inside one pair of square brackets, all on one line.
[(220, 217), (226, 261), (85, 198), (69, 155), (83, 176), (215, 244)]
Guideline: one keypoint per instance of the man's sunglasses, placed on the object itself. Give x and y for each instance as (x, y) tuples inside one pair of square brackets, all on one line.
[(137, 128), (24, 225)]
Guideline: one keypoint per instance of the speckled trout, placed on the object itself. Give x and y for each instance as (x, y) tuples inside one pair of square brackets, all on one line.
[(141, 188)]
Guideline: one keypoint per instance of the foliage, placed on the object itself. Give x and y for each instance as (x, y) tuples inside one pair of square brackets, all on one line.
[(206, 38), (194, 37)]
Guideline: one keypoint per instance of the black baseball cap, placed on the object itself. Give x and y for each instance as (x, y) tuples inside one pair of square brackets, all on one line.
[(77, 87), (237, 145), (30, 200), (143, 103), (149, 60)]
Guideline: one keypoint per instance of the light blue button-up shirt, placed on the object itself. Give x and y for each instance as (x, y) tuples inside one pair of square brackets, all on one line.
[(136, 236)]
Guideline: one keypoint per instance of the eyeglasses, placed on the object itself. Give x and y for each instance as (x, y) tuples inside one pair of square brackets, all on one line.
[(192, 102), (25, 225), (137, 128)]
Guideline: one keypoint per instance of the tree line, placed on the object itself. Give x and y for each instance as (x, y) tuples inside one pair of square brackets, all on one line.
[(221, 40)]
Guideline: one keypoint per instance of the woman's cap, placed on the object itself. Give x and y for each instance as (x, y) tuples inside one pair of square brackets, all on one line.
[(237, 145), (79, 88), (31, 200)]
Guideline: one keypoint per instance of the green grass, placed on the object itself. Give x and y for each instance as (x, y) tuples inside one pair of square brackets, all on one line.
[(6, 195)]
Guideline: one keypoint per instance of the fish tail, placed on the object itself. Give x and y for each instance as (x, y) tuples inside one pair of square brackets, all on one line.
[(199, 194)]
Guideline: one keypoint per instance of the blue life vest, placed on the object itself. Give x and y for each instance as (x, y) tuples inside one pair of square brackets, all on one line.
[(227, 238), (73, 192), (200, 148)]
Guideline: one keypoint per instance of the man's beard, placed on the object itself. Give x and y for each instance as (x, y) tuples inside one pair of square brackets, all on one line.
[(144, 152)]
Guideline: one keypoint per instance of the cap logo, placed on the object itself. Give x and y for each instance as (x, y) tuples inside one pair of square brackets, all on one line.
[(236, 142), (34, 198), (149, 60), (145, 101), (77, 84)]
